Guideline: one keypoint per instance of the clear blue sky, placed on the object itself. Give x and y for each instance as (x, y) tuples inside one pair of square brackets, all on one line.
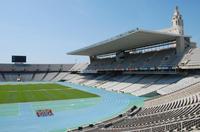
[(45, 30)]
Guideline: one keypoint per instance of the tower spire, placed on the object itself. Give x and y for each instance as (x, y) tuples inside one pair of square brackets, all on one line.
[(177, 22)]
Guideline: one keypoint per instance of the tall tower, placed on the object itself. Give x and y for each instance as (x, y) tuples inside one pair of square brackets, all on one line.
[(177, 22)]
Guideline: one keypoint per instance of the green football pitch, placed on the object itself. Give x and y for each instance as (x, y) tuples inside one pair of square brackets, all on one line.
[(39, 92)]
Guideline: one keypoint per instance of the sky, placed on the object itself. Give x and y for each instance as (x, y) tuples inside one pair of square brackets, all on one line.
[(45, 30)]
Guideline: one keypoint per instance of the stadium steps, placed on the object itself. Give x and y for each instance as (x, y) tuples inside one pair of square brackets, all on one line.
[(124, 83), (130, 88), (2, 77), (46, 73), (95, 80), (181, 84), (38, 76), (152, 87), (87, 78), (161, 83), (69, 77), (103, 80), (26, 76), (33, 76), (60, 76), (131, 81), (148, 82), (55, 76), (110, 87), (49, 76)]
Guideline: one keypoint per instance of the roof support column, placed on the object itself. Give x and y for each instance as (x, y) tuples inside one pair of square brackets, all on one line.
[(92, 58), (180, 46)]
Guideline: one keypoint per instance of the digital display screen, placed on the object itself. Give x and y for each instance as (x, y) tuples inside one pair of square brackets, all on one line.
[(18, 58)]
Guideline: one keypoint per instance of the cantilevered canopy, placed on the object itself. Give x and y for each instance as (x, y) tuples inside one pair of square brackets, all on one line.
[(129, 40)]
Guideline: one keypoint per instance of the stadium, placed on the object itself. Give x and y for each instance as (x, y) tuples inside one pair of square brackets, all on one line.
[(138, 81)]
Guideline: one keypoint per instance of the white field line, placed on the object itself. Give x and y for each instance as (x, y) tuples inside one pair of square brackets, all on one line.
[(37, 90)]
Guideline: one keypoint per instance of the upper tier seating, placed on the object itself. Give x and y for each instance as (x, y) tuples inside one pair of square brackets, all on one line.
[(150, 60)]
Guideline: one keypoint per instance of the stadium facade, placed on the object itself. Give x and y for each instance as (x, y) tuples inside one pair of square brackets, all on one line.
[(161, 66)]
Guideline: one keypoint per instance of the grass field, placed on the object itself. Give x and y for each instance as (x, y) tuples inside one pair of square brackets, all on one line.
[(39, 92)]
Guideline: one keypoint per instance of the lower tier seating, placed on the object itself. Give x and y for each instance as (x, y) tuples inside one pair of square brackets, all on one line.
[(180, 114)]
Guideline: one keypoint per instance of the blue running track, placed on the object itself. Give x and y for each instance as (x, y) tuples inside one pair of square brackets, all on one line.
[(68, 114)]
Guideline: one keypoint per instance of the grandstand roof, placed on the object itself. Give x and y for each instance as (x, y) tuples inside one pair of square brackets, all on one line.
[(130, 40)]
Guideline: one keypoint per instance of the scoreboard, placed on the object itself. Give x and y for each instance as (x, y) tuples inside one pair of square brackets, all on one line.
[(18, 59)]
